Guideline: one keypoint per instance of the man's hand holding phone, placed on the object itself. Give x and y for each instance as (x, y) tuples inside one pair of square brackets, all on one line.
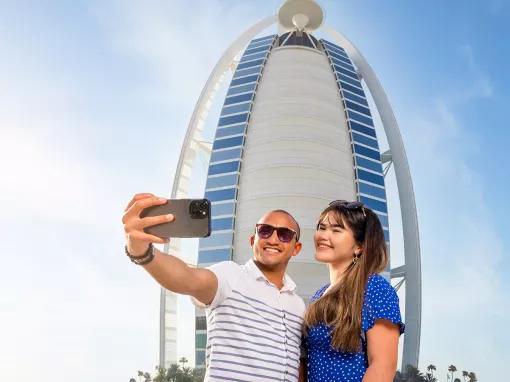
[(149, 219), (137, 240)]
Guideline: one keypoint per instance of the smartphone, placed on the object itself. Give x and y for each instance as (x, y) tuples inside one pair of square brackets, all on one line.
[(192, 218)]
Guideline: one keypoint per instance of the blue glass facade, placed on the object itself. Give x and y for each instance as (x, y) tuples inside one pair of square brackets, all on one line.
[(365, 148), (227, 151), (226, 159)]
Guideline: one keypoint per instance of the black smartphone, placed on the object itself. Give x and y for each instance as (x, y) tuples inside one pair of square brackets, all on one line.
[(192, 218)]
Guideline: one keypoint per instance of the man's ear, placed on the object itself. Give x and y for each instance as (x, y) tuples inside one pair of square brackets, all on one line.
[(297, 248), (252, 240)]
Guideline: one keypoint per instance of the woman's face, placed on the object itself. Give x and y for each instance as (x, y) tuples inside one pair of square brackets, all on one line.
[(334, 244)]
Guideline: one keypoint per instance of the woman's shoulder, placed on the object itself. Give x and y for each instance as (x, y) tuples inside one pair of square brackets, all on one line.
[(381, 302), (377, 285), (375, 280)]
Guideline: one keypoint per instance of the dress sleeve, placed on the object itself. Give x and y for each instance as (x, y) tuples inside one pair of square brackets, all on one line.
[(381, 302), (318, 293)]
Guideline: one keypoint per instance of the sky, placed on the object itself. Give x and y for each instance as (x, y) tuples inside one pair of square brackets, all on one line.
[(95, 98)]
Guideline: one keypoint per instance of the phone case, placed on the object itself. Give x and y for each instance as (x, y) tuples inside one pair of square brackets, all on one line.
[(192, 218)]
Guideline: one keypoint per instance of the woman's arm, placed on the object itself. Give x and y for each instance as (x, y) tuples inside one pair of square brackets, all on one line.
[(382, 351)]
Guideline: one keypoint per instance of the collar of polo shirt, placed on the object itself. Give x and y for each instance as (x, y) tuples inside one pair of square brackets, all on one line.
[(288, 283)]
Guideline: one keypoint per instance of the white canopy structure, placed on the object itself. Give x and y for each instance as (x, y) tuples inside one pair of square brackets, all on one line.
[(301, 139)]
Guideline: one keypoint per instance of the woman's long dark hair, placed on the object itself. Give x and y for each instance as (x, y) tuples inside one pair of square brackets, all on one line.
[(340, 308)]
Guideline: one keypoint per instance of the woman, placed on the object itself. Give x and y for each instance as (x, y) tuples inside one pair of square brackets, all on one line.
[(353, 324)]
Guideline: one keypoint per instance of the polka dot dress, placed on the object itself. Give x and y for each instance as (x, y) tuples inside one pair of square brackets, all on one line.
[(325, 364)]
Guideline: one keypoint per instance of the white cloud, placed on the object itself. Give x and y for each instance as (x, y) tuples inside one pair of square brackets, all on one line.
[(79, 319), (43, 178), (69, 306), (72, 308), (181, 41), (464, 296), (481, 85), (48, 170)]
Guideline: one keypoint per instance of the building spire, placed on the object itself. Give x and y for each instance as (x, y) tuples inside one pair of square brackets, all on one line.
[(300, 15)]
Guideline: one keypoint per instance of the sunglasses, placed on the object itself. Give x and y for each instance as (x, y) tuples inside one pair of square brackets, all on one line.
[(349, 205), (285, 235)]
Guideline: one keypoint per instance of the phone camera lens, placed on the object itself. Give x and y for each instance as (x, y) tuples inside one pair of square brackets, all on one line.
[(199, 209)]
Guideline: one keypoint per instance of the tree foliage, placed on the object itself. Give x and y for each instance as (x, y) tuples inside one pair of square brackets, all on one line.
[(412, 374), (174, 373)]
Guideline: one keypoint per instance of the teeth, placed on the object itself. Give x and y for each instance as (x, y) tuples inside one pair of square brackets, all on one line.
[(272, 250)]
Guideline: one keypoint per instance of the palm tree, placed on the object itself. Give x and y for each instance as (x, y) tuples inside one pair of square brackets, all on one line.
[(399, 377), (186, 375), (472, 377), (452, 369), (172, 372), (431, 368), (429, 377), (465, 374), (198, 374), (183, 360), (162, 375), (413, 374)]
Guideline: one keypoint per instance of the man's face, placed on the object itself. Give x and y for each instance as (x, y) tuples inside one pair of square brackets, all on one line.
[(272, 254)]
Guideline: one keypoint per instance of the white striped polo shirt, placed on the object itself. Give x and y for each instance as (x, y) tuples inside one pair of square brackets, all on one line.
[(253, 328)]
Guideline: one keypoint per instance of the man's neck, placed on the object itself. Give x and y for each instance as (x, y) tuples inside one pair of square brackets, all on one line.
[(275, 277)]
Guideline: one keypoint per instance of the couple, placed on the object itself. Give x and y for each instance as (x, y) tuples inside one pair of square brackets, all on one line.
[(257, 326)]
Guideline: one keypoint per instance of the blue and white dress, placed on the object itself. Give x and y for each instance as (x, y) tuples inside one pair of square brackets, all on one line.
[(324, 363)]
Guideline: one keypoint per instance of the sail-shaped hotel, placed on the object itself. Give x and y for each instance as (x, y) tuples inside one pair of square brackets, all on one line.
[(295, 132)]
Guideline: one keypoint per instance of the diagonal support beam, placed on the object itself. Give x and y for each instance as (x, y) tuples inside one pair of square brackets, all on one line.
[(386, 157), (411, 235), (398, 272), (399, 284)]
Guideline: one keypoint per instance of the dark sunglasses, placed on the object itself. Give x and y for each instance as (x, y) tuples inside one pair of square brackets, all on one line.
[(284, 234), (349, 205)]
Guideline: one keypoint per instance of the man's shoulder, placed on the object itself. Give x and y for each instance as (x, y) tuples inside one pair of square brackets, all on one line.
[(225, 269), (300, 305)]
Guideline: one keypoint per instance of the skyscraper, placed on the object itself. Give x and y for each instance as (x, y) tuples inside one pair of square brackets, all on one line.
[(295, 132)]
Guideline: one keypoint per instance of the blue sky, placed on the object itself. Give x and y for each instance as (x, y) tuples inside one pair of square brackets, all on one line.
[(95, 98)]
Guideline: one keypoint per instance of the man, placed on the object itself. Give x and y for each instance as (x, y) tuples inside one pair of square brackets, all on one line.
[(254, 316)]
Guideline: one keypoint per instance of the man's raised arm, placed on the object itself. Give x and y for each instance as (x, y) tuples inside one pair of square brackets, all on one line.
[(169, 271)]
